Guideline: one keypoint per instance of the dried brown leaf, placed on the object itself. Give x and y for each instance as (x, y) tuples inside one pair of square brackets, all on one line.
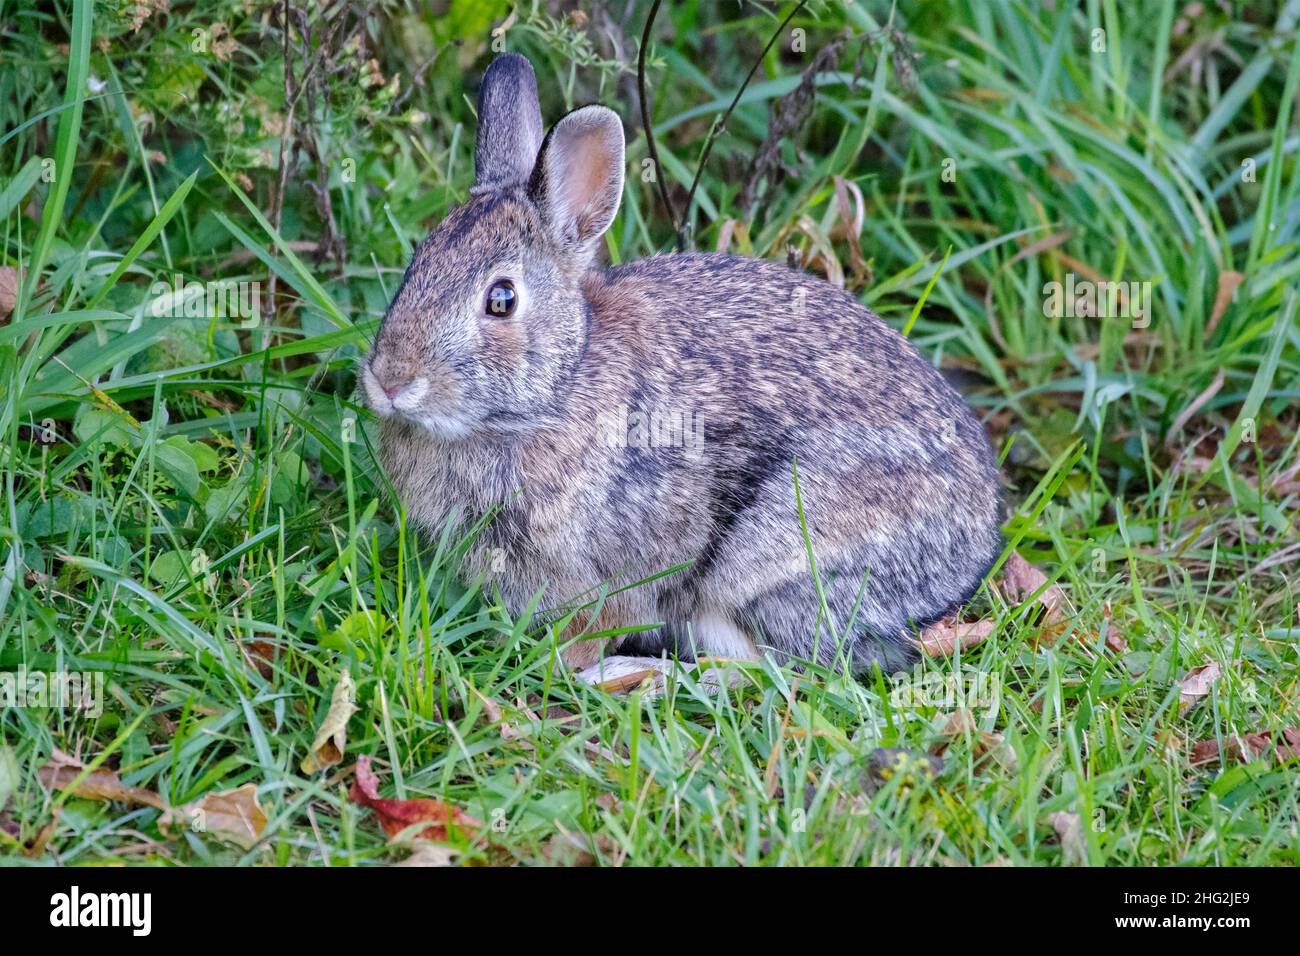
[(1196, 684), (495, 715), (429, 854), (1243, 748), (37, 847), (1020, 580), (572, 849), (232, 815), (1228, 283), (262, 655), (1069, 830), (9, 282), (332, 738), (607, 801), (944, 637), (99, 784), (1114, 639), (961, 725)]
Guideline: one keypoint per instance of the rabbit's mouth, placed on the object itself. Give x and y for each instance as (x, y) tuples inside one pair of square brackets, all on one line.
[(389, 398), (409, 401)]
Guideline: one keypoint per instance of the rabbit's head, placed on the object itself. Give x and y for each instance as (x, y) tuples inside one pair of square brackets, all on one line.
[(489, 322)]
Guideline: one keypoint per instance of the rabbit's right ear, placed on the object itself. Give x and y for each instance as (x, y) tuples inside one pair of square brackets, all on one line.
[(509, 125), (578, 182)]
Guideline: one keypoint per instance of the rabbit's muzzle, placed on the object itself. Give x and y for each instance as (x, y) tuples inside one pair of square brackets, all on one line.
[(432, 401), (392, 390)]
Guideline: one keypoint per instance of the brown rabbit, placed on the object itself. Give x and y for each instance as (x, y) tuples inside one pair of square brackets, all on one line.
[(623, 422)]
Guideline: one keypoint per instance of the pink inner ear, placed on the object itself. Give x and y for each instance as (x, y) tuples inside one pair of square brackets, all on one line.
[(582, 176), (590, 169)]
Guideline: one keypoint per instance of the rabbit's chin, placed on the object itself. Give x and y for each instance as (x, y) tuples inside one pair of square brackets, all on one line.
[(444, 427)]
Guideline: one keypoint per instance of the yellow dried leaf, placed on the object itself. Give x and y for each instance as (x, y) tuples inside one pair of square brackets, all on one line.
[(332, 737)]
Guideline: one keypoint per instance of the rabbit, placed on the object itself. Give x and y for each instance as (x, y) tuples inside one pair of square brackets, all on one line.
[(606, 426)]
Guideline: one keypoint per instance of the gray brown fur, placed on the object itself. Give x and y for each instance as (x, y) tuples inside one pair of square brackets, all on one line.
[(897, 479)]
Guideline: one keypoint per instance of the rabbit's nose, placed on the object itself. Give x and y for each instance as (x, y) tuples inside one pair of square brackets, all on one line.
[(392, 390), (389, 380)]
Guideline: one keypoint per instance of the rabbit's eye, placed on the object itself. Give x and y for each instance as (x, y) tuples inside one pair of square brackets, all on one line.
[(502, 299)]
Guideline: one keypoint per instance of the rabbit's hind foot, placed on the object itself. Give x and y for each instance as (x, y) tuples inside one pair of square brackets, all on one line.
[(715, 634)]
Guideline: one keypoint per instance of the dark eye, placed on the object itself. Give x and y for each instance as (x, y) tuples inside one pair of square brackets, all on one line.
[(502, 299)]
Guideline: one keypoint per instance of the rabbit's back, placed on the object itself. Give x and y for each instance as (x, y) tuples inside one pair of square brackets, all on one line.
[(772, 358)]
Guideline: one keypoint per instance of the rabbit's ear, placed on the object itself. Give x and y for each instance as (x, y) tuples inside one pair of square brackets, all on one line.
[(509, 124), (578, 182)]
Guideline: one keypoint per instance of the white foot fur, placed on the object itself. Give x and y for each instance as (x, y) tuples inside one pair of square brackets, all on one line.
[(715, 634)]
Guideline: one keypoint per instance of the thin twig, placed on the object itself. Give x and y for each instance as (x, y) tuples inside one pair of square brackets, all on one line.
[(649, 128), (720, 124), (291, 141)]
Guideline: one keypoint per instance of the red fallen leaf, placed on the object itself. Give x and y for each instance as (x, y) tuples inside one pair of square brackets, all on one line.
[(1242, 748), (262, 655), (396, 815)]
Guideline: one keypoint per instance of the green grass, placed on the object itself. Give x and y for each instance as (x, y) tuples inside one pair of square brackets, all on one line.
[(208, 528)]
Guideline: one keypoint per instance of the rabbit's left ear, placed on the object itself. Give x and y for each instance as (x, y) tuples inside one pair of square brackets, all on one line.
[(578, 181), (509, 124)]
